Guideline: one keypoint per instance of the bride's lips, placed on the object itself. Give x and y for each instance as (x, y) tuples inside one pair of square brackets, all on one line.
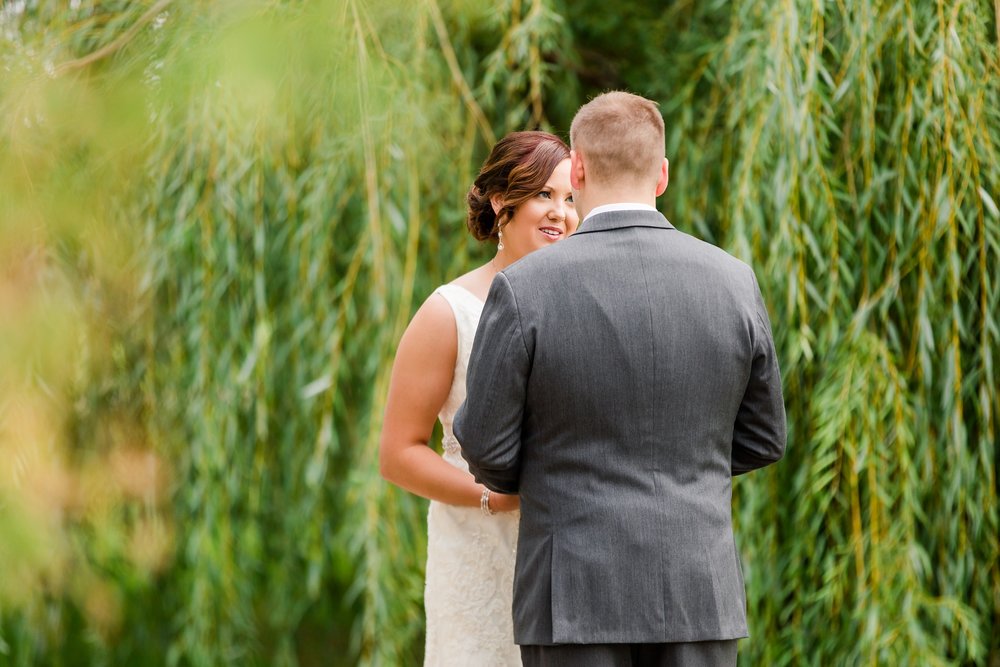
[(551, 233)]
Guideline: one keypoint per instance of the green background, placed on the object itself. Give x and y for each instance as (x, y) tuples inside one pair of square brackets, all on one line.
[(217, 217)]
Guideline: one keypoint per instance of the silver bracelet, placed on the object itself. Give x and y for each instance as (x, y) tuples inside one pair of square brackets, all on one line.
[(484, 503)]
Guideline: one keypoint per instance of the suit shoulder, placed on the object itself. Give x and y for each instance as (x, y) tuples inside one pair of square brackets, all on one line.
[(713, 254), (537, 263)]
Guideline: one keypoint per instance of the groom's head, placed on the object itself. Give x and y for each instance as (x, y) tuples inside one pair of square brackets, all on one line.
[(618, 145)]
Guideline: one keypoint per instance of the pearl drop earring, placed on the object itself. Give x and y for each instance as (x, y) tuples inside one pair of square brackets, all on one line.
[(500, 235)]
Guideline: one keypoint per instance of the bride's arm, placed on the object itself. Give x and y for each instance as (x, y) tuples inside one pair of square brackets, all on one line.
[(421, 380)]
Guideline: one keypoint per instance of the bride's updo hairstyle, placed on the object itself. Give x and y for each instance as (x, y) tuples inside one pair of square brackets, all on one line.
[(515, 171)]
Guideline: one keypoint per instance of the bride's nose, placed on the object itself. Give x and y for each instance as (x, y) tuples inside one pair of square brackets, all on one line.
[(558, 210)]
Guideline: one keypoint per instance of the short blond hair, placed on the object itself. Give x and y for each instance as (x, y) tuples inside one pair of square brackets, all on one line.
[(621, 137)]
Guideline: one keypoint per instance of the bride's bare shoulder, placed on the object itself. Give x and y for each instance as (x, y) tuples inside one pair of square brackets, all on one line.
[(477, 281), (430, 336), (434, 313)]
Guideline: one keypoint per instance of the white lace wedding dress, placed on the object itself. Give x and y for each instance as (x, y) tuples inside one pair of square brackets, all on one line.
[(470, 556)]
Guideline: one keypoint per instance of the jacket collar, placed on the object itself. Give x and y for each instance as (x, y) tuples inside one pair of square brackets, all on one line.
[(609, 220)]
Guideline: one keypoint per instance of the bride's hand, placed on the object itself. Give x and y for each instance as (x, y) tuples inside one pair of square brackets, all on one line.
[(501, 502)]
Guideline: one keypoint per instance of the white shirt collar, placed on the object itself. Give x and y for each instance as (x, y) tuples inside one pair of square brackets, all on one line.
[(624, 206)]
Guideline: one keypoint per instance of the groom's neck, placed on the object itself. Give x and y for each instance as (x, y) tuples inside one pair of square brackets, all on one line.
[(592, 198)]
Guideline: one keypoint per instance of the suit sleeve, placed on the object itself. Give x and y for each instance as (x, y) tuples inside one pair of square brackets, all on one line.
[(760, 431), (488, 424)]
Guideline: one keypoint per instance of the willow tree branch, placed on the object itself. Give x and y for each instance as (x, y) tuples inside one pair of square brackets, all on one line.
[(116, 44), (456, 72)]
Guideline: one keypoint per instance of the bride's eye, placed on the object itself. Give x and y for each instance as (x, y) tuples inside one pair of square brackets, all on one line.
[(545, 194), (570, 199)]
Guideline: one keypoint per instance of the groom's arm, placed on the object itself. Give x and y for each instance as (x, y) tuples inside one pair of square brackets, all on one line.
[(759, 431), (488, 424)]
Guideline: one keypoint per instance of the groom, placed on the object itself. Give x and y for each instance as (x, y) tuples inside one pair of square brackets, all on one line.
[(619, 380)]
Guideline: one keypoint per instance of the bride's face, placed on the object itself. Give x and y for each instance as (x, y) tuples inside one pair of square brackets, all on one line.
[(547, 217)]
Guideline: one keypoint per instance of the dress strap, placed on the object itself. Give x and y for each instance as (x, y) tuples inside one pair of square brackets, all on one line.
[(459, 298)]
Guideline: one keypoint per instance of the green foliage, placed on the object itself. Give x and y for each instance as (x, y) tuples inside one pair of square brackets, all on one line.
[(219, 217)]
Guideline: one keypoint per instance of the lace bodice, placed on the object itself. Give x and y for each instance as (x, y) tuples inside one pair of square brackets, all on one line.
[(467, 308)]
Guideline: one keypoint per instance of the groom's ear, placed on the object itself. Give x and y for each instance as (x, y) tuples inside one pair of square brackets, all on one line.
[(664, 179), (576, 170)]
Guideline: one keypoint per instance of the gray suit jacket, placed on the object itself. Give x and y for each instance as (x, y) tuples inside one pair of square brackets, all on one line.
[(619, 379)]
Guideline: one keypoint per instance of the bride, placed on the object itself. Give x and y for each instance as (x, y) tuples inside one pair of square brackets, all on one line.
[(521, 199)]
